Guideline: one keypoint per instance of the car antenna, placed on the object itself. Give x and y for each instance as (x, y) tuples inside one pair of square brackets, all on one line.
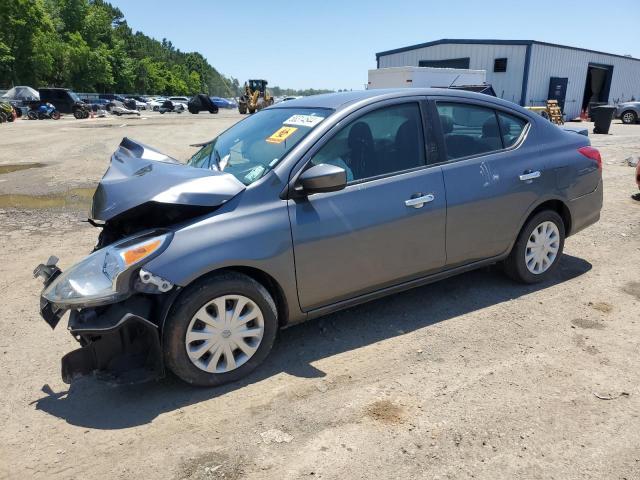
[(454, 81)]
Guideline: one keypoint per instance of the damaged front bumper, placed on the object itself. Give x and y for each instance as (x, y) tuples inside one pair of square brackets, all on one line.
[(120, 343)]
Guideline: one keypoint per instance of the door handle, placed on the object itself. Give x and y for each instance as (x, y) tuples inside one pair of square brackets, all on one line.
[(525, 177), (418, 202)]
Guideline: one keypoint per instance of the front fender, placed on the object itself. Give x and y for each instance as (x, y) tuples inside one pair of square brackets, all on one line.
[(240, 234)]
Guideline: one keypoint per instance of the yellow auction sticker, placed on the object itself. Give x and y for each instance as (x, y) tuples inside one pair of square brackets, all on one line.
[(281, 135)]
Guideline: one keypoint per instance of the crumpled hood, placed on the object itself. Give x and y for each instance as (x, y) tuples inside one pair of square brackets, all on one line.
[(139, 174)]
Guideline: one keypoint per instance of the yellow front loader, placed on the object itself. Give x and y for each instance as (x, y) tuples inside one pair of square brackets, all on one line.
[(256, 97)]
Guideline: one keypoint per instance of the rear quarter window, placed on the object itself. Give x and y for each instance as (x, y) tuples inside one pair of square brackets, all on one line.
[(512, 128)]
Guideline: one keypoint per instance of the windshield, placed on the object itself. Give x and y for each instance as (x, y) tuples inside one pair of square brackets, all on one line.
[(251, 148), (74, 96)]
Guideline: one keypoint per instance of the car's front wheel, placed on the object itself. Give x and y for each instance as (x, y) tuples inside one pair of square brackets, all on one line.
[(220, 329), (538, 248)]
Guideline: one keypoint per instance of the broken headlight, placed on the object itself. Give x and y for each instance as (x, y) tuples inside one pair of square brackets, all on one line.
[(104, 276)]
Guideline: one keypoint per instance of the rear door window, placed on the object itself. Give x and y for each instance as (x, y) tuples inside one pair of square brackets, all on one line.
[(468, 129)]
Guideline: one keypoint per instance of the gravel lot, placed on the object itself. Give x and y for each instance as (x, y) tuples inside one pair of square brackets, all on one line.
[(472, 377)]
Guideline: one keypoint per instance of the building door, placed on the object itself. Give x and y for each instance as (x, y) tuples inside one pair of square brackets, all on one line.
[(558, 90)]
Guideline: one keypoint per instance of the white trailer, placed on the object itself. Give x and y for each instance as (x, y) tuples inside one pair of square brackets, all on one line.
[(400, 77)]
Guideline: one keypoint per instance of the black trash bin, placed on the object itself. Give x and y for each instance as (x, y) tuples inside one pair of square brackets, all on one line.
[(601, 117)]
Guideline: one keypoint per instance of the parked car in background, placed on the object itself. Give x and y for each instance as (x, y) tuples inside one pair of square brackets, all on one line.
[(122, 108), (168, 106), (112, 96), (180, 100), (155, 103), (308, 207), (628, 112), (138, 104), (141, 102), (65, 101), (223, 102), (97, 102)]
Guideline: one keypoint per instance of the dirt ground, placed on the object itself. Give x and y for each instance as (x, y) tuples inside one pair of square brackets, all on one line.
[(472, 377)]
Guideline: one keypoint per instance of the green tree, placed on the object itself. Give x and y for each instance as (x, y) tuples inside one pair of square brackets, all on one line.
[(72, 13), (22, 22)]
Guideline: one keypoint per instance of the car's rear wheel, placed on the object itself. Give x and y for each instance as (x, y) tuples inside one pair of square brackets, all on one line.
[(220, 329), (538, 248), (629, 117)]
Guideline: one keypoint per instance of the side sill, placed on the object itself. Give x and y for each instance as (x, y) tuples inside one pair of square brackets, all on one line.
[(334, 307)]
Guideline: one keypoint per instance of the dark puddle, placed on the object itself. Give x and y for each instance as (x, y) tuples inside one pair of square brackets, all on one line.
[(16, 167), (72, 198)]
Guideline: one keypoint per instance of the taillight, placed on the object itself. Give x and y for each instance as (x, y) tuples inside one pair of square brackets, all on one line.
[(593, 154)]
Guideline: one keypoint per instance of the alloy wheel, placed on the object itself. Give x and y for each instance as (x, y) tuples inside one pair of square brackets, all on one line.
[(628, 117), (542, 247), (224, 334)]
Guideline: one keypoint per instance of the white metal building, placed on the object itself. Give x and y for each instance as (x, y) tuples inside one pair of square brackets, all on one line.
[(530, 72)]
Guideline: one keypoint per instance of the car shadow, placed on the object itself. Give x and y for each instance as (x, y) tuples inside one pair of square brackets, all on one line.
[(93, 404)]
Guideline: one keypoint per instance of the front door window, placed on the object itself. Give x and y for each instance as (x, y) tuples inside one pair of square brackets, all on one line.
[(378, 143)]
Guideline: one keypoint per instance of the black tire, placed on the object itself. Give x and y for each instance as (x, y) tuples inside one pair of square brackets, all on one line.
[(629, 117), (77, 113), (190, 301), (515, 265), (31, 115)]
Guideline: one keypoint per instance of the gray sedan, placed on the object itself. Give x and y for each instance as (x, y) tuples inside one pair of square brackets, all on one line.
[(308, 207), (628, 112)]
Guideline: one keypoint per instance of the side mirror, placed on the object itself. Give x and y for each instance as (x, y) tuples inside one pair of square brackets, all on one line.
[(322, 178)]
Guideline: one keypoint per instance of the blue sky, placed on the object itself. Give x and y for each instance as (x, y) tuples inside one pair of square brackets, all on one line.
[(332, 44)]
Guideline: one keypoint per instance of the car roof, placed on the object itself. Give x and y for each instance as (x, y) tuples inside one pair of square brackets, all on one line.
[(340, 100)]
